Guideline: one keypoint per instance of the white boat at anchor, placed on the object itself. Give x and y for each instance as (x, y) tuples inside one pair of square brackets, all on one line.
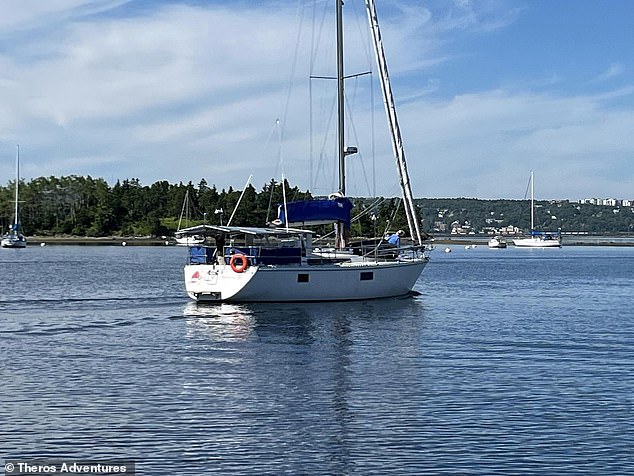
[(497, 242), (184, 240), (280, 264), (538, 239), (14, 238)]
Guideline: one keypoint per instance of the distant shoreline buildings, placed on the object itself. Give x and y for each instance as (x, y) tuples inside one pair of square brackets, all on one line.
[(607, 202), (497, 222)]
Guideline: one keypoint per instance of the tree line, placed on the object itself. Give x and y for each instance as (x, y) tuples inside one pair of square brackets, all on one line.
[(86, 206)]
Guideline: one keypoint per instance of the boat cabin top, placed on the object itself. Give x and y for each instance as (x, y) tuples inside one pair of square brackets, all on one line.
[(260, 245)]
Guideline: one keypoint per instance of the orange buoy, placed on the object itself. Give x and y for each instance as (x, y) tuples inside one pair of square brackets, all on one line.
[(238, 262)]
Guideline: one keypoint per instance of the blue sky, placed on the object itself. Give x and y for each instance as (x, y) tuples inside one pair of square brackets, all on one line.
[(486, 91)]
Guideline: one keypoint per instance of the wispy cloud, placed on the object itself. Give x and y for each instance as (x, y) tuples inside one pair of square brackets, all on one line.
[(615, 69), (478, 16), (111, 82), (184, 90), (488, 141), (33, 15)]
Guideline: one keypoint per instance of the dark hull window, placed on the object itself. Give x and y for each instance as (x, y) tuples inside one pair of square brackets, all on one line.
[(367, 276), (302, 278)]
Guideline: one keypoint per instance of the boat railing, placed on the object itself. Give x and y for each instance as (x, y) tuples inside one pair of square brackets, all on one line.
[(261, 255), (383, 251), (546, 235), (413, 252), (255, 255)]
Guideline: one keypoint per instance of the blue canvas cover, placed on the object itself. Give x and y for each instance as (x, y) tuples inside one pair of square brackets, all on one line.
[(546, 235), (200, 255), (319, 211)]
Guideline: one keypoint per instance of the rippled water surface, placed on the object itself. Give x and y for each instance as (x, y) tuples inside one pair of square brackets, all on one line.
[(508, 362)]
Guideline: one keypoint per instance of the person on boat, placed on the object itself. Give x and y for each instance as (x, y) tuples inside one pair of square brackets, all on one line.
[(395, 239), (220, 248)]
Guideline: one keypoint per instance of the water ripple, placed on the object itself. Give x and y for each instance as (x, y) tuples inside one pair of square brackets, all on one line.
[(489, 370)]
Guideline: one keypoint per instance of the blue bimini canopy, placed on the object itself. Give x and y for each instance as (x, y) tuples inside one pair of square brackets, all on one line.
[(316, 212), (546, 235)]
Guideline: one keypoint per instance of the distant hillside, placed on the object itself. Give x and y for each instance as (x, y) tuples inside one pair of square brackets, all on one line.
[(484, 215)]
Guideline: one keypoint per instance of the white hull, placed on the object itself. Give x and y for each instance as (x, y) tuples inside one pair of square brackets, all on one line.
[(497, 243), (536, 243), (333, 282), (189, 240), (10, 242)]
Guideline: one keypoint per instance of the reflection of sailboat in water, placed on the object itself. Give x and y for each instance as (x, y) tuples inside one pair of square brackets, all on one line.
[(250, 264), (184, 239), (223, 321), (300, 321)]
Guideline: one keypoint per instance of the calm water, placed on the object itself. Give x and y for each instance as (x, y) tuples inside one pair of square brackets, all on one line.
[(509, 362)]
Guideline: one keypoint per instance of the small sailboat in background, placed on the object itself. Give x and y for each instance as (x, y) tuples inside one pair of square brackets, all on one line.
[(538, 239), (183, 239), (14, 237)]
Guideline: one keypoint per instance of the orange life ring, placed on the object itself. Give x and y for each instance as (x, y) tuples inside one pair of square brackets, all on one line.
[(241, 265)]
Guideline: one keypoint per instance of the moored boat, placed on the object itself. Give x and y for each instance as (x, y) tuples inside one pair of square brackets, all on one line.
[(14, 238), (497, 242), (538, 239), (281, 264)]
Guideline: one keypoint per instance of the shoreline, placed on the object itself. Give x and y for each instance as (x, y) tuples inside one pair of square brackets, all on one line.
[(101, 241), (568, 240)]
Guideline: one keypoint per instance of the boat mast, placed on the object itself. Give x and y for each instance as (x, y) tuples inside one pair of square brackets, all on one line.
[(532, 203), (17, 181), (340, 228), (390, 109), (340, 100)]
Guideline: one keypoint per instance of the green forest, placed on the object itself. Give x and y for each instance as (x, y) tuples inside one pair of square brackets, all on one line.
[(85, 206)]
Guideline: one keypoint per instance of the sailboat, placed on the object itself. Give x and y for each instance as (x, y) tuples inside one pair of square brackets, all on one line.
[(280, 263), (538, 239), (14, 237), (185, 239)]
